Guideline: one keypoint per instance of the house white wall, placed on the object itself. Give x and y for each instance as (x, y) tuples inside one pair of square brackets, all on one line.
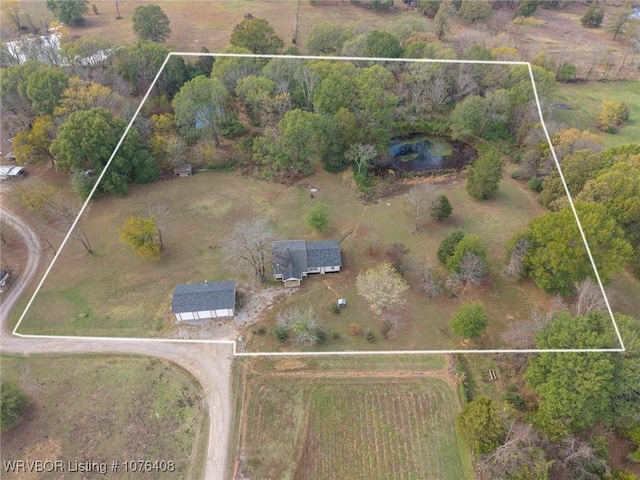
[(204, 315)]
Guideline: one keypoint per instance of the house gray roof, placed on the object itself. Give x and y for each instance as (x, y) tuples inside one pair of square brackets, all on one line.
[(197, 297), (324, 254), (291, 258)]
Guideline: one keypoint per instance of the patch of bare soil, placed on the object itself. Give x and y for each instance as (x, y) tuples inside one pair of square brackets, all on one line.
[(258, 301)]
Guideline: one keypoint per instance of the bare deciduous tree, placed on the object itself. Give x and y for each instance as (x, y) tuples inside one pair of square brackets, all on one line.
[(430, 283), (520, 334), (472, 270), (361, 155), (419, 201), (515, 268), (588, 297), (303, 324), (160, 215), (452, 283), (249, 245), (579, 460)]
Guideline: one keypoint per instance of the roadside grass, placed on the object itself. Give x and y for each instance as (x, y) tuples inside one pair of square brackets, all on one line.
[(304, 423), (115, 293), (114, 408), (585, 102)]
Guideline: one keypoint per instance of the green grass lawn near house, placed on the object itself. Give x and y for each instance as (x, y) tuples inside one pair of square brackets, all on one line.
[(105, 408), (585, 100), (115, 293)]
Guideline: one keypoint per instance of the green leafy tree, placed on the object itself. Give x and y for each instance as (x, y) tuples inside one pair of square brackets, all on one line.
[(326, 38), (473, 11), (318, 217), (71, 12), (230, 70), (141, 234), (567, 71), (618, 190), (574, 390), (448, 245), (442, 18), (612, 115), (484, 175), (33, 144), (593, 17), (44, 89), (299, 138), (256, 91), (375, 104), (87, 139), (468, 244), (466, 118), (201, 106), (12, 404), (527, 8), (469, 321), (256, 35), (480, 424), (381, 44), (557, 257), (83, 94), (139, 63), (150, 23), (441, 208), (383, 288)]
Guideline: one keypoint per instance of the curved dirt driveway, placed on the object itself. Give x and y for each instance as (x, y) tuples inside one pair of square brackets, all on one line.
[(208, 362)]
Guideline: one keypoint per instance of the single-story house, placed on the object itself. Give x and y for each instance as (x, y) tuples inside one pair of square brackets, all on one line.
[(295, 259), (197, 301), (8, 172)]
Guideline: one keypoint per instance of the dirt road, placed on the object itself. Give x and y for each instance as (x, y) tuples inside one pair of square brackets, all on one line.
[(208, 362)]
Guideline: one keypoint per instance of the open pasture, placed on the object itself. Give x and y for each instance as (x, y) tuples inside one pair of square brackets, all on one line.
[(116, 293), (300, 423), (106, 408)]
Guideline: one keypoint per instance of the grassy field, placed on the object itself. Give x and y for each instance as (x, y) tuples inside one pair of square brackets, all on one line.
[(106, 408), (116, 293), (300, 422), (585, 101)]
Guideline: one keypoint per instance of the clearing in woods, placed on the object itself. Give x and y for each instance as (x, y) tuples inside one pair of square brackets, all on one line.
[(324, 420)]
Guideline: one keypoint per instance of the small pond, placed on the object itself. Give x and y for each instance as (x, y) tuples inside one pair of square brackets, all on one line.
[(425, 154)]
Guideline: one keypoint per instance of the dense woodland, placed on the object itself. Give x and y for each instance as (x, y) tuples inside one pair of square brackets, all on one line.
[(280, 119)]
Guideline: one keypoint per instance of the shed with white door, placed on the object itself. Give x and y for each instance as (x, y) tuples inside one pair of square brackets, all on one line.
[(203, 301)]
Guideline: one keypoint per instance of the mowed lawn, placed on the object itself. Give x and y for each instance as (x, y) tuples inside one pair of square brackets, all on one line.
[(585, 102), (115, 293), (301, 423), (106, 408)]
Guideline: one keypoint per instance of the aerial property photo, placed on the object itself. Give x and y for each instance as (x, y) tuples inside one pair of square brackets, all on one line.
[(369, 239)]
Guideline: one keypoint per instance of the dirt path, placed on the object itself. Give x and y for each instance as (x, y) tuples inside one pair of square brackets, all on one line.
[(208, 362)]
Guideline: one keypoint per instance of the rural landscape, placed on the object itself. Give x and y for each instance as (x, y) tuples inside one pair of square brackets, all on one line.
[(364, 176)]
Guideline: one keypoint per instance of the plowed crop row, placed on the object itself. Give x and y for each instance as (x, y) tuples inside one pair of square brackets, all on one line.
[(376, 429)]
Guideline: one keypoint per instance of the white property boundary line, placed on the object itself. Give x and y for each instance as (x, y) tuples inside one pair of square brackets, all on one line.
[(622, 348)]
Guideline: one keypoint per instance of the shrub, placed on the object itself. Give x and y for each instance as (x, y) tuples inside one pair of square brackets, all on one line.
[(12, 404), (321, 336), (593, 16), (335, 335), (612, 115), (355, 329), (448, 245), (635, 262), (281, 332), (259, 330), (370, 336), (318, 217), (535, 184), (387, 327), (336, 309), (441, 208), (513, 397), (567, 71), (527, 8), (469, 321), (231, 127)]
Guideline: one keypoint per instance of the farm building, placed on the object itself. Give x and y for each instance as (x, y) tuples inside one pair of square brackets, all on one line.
[(198, 301), (11, 172), (295, 259)]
